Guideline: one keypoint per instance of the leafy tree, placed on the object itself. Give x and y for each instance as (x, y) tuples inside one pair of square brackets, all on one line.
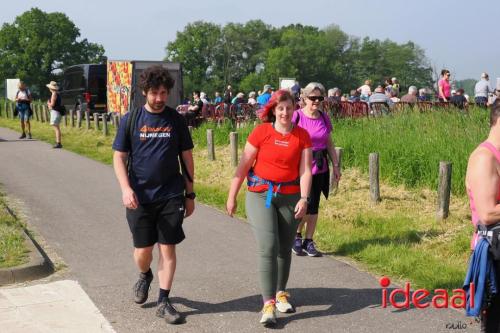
[(197, 48), (249, 55), (37, 45)]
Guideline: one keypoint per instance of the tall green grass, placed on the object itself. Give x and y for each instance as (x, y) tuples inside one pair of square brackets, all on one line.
[(412, 144), (221, 133)]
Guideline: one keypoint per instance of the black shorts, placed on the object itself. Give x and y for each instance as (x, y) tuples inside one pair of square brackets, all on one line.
[(158, 222), (318, 181)]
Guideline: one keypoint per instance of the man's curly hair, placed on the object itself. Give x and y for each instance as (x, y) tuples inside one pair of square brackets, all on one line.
[(155, 77)]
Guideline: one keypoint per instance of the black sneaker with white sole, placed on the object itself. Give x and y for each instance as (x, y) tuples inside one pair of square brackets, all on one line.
[(166, 311)]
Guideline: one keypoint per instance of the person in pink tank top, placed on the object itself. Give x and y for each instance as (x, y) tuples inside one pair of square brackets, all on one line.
[(482, 182), (444, 86)]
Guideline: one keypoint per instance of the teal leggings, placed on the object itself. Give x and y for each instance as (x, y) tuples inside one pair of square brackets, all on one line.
[(274, 229)]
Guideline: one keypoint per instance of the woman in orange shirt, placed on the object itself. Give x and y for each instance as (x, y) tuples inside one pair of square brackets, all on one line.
[(277, 164)]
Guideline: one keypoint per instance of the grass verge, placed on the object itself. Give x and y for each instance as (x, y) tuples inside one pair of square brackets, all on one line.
[(13, 250)]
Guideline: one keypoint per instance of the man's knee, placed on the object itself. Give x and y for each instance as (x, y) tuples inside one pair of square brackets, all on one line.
[(167, 251), (144, 252)]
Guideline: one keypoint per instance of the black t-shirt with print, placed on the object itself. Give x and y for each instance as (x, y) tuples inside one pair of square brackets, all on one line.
[(157, 141)]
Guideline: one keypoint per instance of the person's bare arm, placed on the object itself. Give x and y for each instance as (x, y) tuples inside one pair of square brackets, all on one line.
[(187, 157), (247, 160), (52, 101), (484, 181), (120, 166), (330, 146), (305, 182)]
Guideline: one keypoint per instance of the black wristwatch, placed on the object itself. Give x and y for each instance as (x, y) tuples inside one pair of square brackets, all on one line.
[(191, 195)]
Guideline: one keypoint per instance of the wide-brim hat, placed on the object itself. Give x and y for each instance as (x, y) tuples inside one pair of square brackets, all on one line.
[(52, 85)]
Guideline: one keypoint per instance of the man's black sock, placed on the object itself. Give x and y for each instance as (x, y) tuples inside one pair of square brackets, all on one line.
[(163, 294), (299, 235), (148, 274)]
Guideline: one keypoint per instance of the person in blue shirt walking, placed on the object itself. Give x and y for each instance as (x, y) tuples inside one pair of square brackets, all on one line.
[(266, 95)]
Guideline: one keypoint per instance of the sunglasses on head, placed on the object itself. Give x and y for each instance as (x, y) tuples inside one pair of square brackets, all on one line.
[(316, 98)]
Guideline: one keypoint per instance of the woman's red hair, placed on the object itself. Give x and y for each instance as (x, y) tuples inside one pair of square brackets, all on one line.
[(280, 96)]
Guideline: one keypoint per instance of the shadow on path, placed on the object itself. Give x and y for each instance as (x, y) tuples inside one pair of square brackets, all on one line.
[(337, 300)]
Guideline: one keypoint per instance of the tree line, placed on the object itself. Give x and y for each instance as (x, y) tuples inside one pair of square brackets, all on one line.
[(38, 45), (249, 55)]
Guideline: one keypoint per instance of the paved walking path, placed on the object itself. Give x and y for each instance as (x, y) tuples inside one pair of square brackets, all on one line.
[(74, 203)]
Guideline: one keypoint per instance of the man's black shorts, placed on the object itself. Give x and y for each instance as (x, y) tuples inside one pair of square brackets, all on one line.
[(158, 222)]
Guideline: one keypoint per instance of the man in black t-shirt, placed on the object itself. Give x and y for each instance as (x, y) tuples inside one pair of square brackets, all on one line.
[(194, 110), (156, 195), (459, 99)]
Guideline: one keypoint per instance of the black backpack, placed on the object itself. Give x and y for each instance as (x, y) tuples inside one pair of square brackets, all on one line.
[(130, 125)]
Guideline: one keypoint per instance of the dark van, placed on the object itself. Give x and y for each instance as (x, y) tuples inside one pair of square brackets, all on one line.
[(84, 88)]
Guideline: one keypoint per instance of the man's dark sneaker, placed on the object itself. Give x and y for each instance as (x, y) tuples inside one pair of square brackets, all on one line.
[(141, 288), (168, 312), (29, 136), (57, 145), (297, 246), (23, 136), (310, 249)]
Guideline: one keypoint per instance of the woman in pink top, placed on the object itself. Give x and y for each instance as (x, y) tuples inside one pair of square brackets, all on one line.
[(319, 127), (444, 86), (482, 181)]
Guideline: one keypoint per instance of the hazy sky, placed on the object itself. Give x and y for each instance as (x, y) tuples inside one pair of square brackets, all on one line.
[(458, 35)]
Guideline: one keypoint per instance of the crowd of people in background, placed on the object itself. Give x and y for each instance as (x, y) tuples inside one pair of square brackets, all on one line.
[(389, 92)]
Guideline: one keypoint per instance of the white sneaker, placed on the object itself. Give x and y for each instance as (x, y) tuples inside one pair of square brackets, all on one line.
[(282, 303), (268, 314)]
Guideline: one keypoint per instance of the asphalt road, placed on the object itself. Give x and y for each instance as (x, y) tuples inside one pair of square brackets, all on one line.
[(74, 203)]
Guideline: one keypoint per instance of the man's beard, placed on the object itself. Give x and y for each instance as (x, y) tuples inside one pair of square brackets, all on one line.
[(156, 106)]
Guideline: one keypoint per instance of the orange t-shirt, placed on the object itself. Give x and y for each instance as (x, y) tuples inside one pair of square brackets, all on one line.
[(278, 158)]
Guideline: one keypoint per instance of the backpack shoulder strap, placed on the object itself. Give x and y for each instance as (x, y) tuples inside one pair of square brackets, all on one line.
[(184, 169), (130, 125), (129, 132)]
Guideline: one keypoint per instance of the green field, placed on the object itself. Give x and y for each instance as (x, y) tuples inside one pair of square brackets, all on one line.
[(399, 237)]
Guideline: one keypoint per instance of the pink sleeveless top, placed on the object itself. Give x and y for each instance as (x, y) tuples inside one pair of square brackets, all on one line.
[(475, 216)]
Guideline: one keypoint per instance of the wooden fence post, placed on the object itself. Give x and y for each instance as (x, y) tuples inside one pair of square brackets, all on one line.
[(79, 118), (42, 115), (210, 144), (71, 118), (105, 130), (444, 190), (333, 183), (47, 113), (36, 115), (87, 120), (11, 110), (374, 178), (233, 139), (117, 119), (96, 121)]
